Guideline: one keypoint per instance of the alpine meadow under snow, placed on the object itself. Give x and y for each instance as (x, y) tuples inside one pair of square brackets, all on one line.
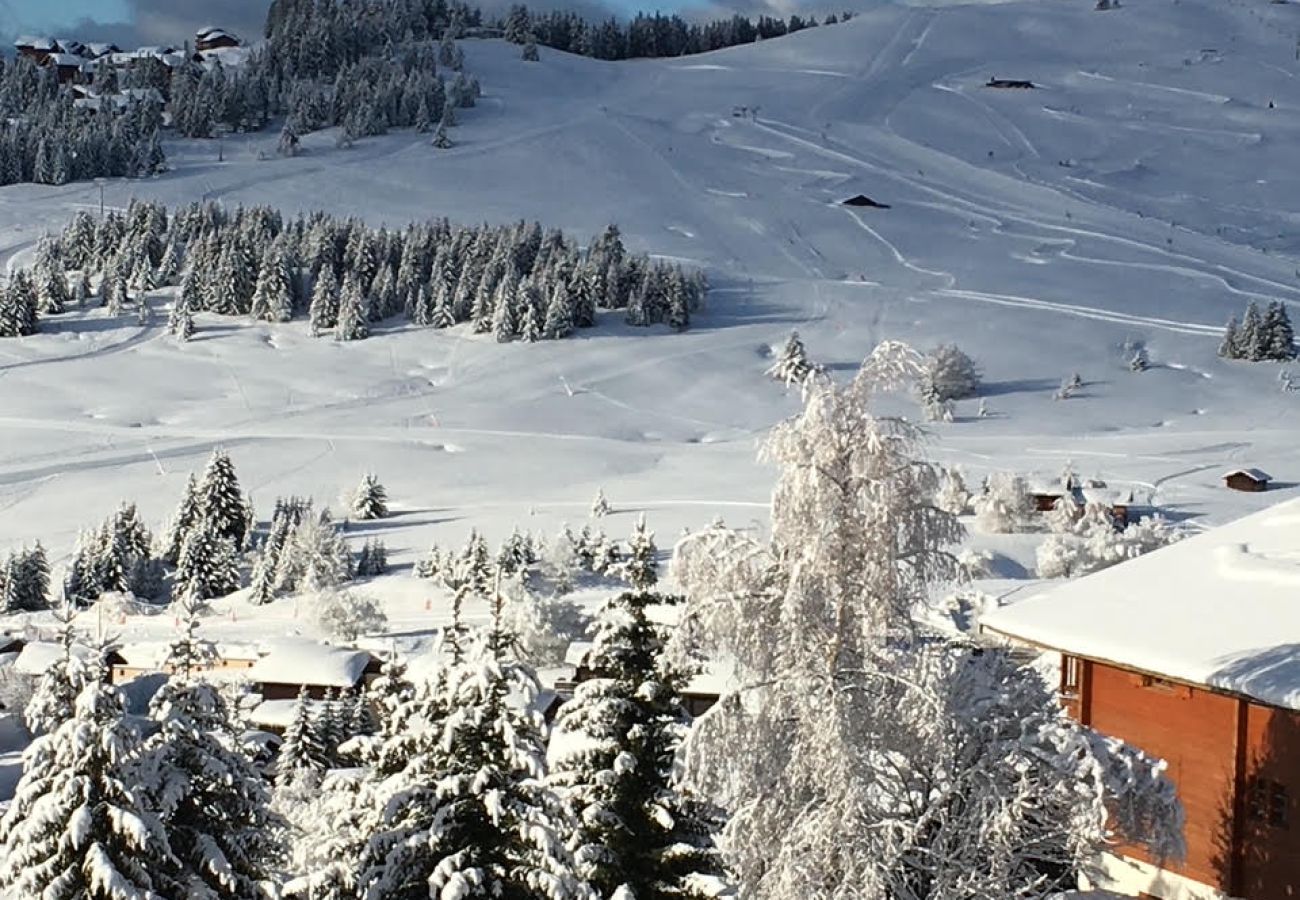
[(305, 383)]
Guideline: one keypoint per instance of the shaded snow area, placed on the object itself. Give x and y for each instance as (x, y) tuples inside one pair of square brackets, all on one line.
[(1141, 194), (1217, 609)]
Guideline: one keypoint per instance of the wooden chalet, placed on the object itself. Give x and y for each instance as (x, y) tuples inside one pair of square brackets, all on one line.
[(36, 48), (291, 665), (1249, 480), (214, 39), (1192, 653)]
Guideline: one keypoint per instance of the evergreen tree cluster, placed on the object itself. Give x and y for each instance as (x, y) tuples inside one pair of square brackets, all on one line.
[(209, 531), (516, 282), (304, 552), (25, 581), (318, 730), (1265, 335), (117, 557), (645, 35), (45, 138)]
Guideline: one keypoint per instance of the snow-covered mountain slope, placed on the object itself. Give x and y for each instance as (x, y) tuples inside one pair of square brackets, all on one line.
[(1145, 191)]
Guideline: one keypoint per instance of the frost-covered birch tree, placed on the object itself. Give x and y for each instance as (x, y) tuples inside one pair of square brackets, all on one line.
[(856, 754)]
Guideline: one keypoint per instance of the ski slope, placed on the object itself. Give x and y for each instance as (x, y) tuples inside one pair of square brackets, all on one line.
[(1143, 193)]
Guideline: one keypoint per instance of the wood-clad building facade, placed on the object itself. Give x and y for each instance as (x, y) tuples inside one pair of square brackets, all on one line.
[(1192, 654), (1235, 761)]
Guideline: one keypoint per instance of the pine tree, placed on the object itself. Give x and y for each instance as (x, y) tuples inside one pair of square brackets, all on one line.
[(469, 817), (214, 804), (441, 140), (272, 300), (559, 314), (1251, 339), (600, 506), (1279, 340), (642, 566), (791, 366), (351, 325), (57, 687), (220, 500), (1230, 346), (302, 755), (637, 833), (186, 515), (324, 310), (206, 567), (79, 825), (530, 49), (25, 581), (369, 500)]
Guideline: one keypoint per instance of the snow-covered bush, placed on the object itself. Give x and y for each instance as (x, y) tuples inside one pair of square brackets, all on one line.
[(347, 615), (975, 563), (1059, 556), (948, 374), (1005, 504), (953, 496), (543, 627)]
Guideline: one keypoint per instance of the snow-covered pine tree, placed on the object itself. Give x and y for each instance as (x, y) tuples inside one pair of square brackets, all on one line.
[(214, 803), (471, 817), (530, 49), (641, 570), (351, 325), (636, 833), (302, 755), (953, 497), (1251, 339), (206, 567), (791, 366), (79, 825), (288, 144), (822, 624), (559, 314), (324, 310), (1279, 335), (600, 505), (186, 515), (369, 500), (1230, 345), (25, 581), (220, 500), (58, 686), (272, 298)]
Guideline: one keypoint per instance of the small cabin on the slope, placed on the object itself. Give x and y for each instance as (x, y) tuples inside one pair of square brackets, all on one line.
[(864, 200), (1014, 83), (37, 49), (1249, 480), (1192, 653)]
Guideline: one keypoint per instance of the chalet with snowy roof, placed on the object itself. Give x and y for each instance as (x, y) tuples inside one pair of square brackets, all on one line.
[(1192, 653), (67, 66), (1249, 480), (212, 38), (291, 665), (36, 48), (99, 50)]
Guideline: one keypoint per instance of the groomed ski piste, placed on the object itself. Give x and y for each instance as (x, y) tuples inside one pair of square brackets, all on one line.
[(1144, 191)]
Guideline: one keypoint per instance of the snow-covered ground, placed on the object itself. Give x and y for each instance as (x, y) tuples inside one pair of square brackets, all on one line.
[(1142, 194)]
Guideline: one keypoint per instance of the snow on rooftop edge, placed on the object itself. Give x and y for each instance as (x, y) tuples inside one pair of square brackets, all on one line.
[(308, 662), (1220, 609)]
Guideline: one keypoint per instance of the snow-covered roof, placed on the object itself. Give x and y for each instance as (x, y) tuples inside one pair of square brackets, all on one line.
[(145, 655), (278, 713), (576, 653), (213, 33), (309, 662), (1253, 474), (1218, 609), (36, 43), (69, 60), (98, 49), (68, 45), (1107, 496), (38, 656)]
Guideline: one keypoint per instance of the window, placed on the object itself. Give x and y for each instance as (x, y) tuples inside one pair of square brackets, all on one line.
[(1071, 672), (1267, 802)]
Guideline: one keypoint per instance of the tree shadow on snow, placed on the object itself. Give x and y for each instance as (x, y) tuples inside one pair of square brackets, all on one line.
[(1018, 386)]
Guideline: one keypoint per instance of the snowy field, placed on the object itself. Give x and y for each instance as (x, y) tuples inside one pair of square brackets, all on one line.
[(1142, 194)]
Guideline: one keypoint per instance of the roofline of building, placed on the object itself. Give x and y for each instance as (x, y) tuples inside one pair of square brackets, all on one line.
[(1136, 670)]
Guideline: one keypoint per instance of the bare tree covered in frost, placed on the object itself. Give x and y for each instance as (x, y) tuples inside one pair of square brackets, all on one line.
[(1004, 505), (857, 755)]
